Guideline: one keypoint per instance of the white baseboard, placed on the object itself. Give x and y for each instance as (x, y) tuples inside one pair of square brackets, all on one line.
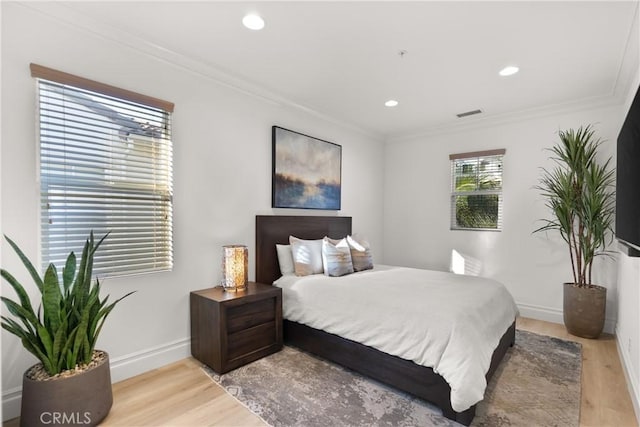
[(146, 360), (631, 377), (11, 403), (555, 316), (121, 368), (143, 361)]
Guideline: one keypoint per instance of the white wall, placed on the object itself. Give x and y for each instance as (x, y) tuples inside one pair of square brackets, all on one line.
[(533, 267), (417, 209), (222, 179), (628, 325)]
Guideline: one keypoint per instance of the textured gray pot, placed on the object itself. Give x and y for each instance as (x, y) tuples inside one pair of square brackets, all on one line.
[(80, 400), (584, 310)]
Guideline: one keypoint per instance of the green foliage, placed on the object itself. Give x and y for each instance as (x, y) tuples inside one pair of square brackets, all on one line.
[(579, 193), (482, 180), (477, 211), (65, 329)]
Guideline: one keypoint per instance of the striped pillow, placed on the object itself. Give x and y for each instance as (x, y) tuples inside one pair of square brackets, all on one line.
[(360, 253), (336, 257)]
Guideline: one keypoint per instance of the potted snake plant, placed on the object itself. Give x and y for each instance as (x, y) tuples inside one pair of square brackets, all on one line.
[(72, 383), (579, 193)]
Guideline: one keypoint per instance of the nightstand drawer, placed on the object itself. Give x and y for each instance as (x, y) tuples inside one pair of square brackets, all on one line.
[(229, 330), (246, 341), (248, 315)]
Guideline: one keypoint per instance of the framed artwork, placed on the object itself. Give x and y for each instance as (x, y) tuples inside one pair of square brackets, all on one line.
[(306, 171)]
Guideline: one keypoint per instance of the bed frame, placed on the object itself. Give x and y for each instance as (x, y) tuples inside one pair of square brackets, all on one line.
[(394, 371)]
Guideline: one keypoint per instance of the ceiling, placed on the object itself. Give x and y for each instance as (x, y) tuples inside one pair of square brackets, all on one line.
[(341, 59)]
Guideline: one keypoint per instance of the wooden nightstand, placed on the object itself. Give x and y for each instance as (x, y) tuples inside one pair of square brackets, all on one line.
[(229, 330)]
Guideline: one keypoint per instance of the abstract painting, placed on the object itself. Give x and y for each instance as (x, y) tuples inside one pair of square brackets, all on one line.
[(306, 171)]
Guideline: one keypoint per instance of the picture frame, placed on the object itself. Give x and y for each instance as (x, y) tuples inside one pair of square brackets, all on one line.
[(306, 171)]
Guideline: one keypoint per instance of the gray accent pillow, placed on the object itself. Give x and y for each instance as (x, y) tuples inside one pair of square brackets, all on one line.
[(336, 257), (360, 253)]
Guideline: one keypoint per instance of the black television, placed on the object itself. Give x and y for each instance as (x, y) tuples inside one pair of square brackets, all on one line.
[(628, 180)]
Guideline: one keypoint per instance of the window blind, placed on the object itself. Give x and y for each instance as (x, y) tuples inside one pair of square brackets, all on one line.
[(106, 166), (476, 190)]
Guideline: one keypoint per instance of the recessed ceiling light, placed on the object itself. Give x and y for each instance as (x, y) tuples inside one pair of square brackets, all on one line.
[(509, 70), (253, 22), (391, 103)]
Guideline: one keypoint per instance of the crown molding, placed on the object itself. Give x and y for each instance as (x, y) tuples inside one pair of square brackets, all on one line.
[(630, 63), (65, 14), (626, 78), (490, 121)]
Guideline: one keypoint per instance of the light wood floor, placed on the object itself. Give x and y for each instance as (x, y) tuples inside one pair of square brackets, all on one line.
[(605, 398), (181, 394)]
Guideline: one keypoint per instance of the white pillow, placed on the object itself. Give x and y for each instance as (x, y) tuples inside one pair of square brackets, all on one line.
[(307, 256), (360, 253), (336, 257), (285, 259)]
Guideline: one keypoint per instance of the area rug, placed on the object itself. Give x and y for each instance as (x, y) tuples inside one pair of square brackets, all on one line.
[(537, 384)]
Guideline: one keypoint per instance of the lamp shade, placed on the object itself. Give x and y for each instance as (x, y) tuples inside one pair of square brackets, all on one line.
[(235, 262)]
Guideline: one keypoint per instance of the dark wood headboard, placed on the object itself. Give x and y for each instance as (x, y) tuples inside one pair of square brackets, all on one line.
[(272, 229)]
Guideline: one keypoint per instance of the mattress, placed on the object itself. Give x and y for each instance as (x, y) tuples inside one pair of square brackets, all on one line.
[(450, 323)]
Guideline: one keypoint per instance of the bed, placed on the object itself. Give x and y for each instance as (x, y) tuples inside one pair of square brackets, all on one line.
[(395, 371)]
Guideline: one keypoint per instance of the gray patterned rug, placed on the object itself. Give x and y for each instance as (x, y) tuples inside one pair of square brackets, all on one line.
[(537, 384)]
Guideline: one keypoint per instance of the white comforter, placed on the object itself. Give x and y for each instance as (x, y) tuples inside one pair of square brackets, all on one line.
[(447, 322)]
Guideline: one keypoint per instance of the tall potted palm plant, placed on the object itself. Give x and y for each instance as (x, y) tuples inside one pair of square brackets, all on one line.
[(579, 193), (72, 384)]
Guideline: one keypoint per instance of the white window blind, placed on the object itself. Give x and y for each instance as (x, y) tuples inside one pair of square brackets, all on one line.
[(476, 190), (106, 166)]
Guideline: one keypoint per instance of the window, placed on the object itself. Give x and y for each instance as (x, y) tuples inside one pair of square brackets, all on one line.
[(106, 166), (476, 190)]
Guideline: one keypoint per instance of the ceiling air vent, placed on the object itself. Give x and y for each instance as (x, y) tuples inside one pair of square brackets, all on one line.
[(468, 113)]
